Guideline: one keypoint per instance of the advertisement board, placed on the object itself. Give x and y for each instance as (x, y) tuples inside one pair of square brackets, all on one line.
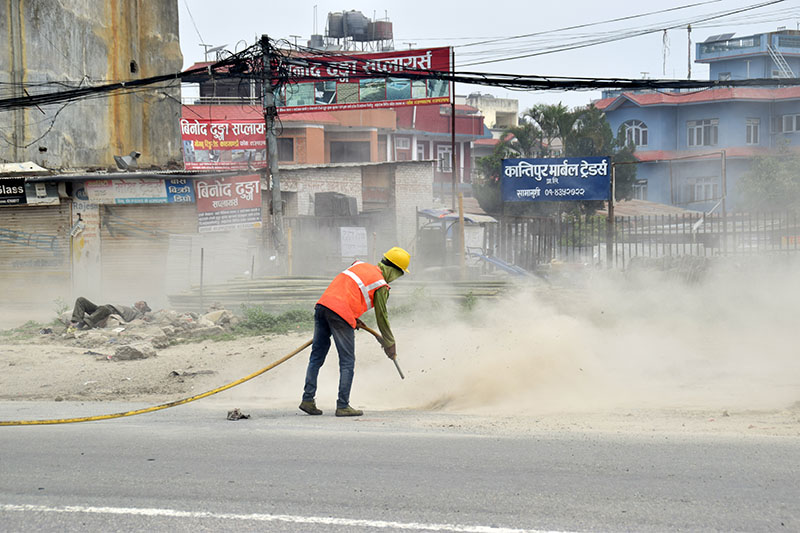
[(556, 180), (139, 191), (352, 80), (12, 191), (223, 144), (228, 203)]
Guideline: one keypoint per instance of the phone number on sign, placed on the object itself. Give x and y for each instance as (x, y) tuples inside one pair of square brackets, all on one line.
[(564, 192)]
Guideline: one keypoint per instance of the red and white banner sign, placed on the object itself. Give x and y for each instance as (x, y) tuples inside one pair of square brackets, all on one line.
[(352, 80), (227, 203), (223, 144)]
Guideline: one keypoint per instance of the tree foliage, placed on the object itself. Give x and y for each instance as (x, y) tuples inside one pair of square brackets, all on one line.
[(772, 183), (582, 132)]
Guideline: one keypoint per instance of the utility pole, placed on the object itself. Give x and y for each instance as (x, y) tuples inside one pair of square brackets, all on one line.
[(453, 174), (270, 112), (689, 51), (610, 242)]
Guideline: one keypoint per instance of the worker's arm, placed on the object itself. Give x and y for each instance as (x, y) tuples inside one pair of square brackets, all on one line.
[(382, 315)]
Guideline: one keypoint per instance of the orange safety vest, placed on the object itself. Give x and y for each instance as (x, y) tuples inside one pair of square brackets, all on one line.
[(352, 293)]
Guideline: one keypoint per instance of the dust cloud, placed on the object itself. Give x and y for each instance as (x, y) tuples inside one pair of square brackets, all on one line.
[(615, 342)]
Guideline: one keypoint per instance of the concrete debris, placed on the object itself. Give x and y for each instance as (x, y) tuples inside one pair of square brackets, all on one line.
[(176, 373), (158, 331), (132, 352), (207, 331), (160, 342), (236, 414), (221, 317)]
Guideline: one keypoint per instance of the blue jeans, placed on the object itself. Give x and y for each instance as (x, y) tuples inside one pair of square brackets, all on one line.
[(327, 323)]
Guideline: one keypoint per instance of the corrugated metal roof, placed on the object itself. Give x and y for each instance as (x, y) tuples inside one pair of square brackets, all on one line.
[(17, 170)]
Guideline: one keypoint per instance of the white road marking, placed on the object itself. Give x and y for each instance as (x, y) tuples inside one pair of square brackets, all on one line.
[(257, 517)]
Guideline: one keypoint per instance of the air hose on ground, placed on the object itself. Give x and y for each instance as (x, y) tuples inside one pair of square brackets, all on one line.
[(156, 407)]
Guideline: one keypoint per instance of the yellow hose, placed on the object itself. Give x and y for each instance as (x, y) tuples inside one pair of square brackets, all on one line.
[(157, 407)]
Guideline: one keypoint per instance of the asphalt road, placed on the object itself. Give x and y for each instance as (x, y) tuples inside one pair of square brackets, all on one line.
[(190, 469)]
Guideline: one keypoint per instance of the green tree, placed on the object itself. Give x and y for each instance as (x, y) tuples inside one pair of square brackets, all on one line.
[(772, 183), (554, 122)]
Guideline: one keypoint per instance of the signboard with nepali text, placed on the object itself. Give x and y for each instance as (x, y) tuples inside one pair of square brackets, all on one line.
[(353, 80), (556, 180), (228, 203), (223, 144), (139, 191)]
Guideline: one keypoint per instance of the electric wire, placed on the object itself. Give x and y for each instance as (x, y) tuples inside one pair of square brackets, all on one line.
[(627, 35)]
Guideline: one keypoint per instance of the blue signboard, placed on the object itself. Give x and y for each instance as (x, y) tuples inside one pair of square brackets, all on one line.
[(556, 180), (179, 191)]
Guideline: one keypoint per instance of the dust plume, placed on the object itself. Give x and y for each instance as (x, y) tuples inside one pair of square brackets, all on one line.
[(615, 342)]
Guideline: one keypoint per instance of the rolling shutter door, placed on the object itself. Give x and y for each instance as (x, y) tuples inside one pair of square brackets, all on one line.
[(135, 243), (34, 255)]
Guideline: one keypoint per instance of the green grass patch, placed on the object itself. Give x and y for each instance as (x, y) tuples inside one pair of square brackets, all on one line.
[(255, 320), (29, 330)]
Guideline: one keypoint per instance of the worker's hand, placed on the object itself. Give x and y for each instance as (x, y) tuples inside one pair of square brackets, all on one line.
[(390, 351), (360, 324)]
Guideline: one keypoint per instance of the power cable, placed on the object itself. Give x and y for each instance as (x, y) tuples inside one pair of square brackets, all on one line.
[(628, 35), (191, 17), (589, 24)]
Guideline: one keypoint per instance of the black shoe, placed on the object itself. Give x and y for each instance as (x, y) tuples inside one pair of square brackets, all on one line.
[(310, 408)]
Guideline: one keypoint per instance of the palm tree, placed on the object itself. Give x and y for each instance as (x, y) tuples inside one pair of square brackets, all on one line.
[(554, 122)]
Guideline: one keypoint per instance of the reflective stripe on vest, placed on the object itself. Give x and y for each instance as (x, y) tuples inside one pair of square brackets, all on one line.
[(365, 289)]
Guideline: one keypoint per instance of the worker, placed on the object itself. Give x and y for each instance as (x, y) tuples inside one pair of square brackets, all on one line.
[(351, 293), (87, 315)]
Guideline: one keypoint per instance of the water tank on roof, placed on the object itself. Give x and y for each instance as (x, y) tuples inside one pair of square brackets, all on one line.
[(336, 25), (355, 25), (380, 30), (317, 42)]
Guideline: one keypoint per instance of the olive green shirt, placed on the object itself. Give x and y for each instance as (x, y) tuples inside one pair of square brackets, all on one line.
[(379, 302)]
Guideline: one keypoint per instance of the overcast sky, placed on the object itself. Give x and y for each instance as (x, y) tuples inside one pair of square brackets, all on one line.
[(462, 23)]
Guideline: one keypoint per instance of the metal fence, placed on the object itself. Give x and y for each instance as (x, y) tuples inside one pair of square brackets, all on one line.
[(529, 242)]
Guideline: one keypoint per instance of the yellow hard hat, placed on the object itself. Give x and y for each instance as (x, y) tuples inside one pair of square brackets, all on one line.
[(398, 257)]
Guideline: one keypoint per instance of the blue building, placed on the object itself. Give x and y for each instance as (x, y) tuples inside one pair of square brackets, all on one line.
[(694, 146)]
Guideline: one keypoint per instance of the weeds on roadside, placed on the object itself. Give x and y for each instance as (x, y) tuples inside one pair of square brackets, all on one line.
[(60, 306), (28, 330), (257, 320)]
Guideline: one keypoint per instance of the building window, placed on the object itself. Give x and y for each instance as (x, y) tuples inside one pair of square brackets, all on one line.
[(402, 143), (420, 151), (350, 152), (790, 123), (634, 132), (285, 149), (445, 157), (702, 132), (704, 189), (752, 125), (640, 190)]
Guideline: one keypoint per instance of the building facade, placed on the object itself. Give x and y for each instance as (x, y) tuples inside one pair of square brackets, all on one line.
[(84, 44), (694, 146)]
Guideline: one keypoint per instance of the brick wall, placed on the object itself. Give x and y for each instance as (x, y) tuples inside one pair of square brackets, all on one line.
[(413, 189), (310, 180)]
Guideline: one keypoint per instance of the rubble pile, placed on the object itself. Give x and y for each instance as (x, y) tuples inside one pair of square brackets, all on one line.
[(141, 338)]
